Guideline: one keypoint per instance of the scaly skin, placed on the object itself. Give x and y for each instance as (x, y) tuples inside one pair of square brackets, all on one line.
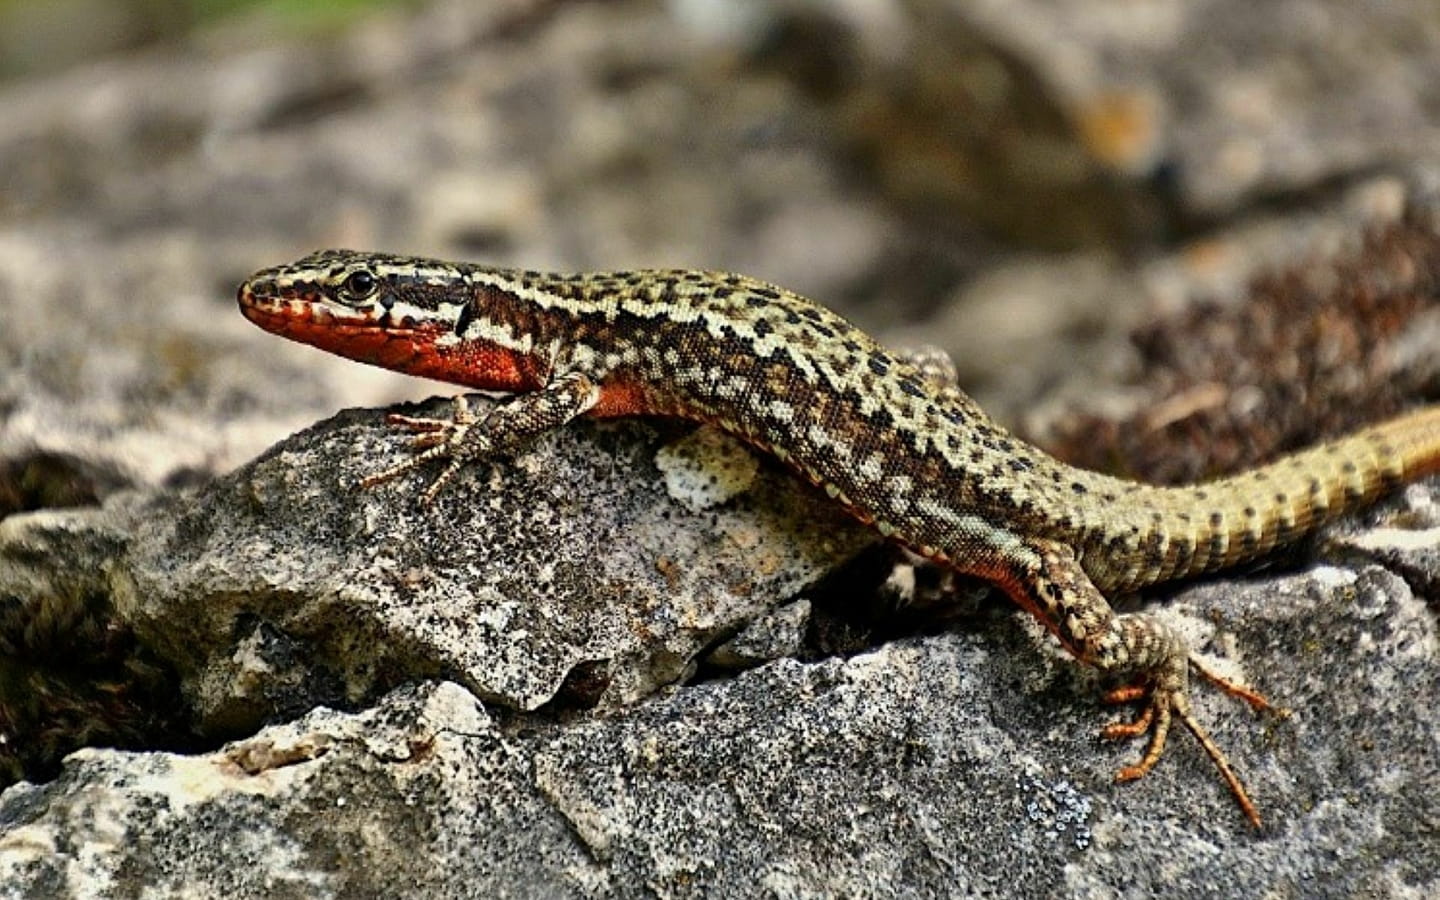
[(916, 459)]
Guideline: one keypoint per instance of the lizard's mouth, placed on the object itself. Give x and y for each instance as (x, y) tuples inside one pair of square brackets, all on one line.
[(275, 312), (371, 334), (285, 314)]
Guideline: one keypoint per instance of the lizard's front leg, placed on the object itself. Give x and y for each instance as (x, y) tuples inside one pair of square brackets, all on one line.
[(463, 438), (1148, 655)]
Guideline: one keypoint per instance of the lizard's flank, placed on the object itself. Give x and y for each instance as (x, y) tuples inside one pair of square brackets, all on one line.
[(901, 450)]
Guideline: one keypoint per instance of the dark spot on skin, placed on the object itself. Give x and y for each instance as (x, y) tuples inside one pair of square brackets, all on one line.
[(851, 345), (1184, 552), (762, 327), (1153, 556), (721, 293), (766, 293), (1249, 541), (1109, 497), (1348, 468), (1184, 516), (1157, 517), (1078, 488), (912, 388), (1282, 498), (1315, 486), (467, 316), (387, 302), (1216, 520), (977, 456), (1262, 475), (1249, 512), (879, 366), (1018, 464), (1201, 495)]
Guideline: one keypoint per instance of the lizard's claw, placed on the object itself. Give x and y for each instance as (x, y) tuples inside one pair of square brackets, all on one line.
[(435, 438), (465, 438), (1154, 719), (1163, 703)]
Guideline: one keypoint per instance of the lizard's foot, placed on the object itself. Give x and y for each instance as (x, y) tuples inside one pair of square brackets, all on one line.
[(1150, 658), (1166, 699), (464, 438), (455, 439)]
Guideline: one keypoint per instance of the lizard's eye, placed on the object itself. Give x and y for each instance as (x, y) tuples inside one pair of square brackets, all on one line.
[(359, 285)]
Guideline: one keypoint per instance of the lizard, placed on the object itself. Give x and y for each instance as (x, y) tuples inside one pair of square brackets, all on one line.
[(915, 458)]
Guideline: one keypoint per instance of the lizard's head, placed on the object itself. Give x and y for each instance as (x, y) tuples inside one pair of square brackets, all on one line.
[(399, 312), (344, 289), (386, 310)]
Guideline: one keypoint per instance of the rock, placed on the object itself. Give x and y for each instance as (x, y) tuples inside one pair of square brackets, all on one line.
[(284, 585), (1094, 124), (394, 801), (776, 634), (958, 764)]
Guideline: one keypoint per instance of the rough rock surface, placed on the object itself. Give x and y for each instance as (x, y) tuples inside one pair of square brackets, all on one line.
[(951, 765), (283, 585), (600, 667)]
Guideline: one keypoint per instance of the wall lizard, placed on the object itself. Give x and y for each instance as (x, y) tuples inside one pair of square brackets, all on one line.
[(917, 460)]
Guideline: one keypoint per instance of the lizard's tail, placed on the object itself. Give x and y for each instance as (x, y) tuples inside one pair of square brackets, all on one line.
[(1233, 520)]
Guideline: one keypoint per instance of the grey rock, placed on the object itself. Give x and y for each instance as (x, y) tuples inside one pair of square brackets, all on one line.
[(284, 584), (1407, 542), (418, 796), (1081, 123), (772, 635), (953, 765)]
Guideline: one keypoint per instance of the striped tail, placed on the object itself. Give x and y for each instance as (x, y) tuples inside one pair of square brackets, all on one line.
[(1206, 527)]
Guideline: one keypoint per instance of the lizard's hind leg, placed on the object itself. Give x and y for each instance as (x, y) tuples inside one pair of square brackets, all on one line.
[(1147, 654)]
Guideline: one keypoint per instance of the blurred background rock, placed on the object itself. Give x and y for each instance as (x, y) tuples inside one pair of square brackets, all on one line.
[(1020, 182)]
